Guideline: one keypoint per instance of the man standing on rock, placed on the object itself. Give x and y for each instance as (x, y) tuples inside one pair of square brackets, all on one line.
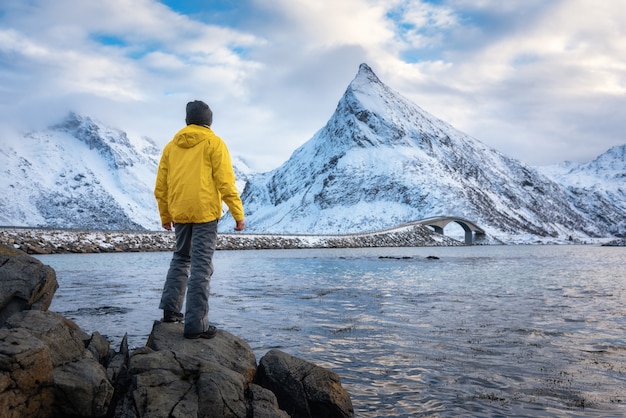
[(195, 175)]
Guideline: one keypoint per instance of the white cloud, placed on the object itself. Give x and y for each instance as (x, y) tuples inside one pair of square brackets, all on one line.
[(540, 81)]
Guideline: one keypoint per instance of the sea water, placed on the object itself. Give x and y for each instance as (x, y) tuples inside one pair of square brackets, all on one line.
[(476, 331)]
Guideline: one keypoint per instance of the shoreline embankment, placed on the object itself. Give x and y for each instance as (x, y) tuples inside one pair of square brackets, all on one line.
[(62, 241)]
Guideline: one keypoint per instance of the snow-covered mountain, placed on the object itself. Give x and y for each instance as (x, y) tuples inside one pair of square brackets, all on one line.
[(381, 161), (242, 171), (597, 188), (79, 174)]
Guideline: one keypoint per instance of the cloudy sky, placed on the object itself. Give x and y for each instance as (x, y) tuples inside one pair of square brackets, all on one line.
[(542, 81)]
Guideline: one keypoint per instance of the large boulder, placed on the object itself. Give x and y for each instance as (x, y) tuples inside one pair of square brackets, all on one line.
[(25, 283), (177, 377), (225, 349), (263, 403), (79, 383), (81, 389), (66, 340), (303, 389)]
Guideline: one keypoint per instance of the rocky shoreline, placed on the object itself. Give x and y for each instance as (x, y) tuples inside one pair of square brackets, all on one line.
[(49, 367), (59, 241), (616, 243)]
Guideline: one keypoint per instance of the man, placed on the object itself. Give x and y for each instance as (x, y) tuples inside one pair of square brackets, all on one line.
[(195, 175)]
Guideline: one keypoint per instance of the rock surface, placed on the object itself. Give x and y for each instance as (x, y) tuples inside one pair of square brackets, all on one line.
[(26, 380), (204, 378), (64, 378), (303, 389), (49, 367), (616, 243), (25, 283)]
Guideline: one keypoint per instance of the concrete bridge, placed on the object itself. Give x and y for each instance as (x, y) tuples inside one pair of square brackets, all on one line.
[(438, 223)]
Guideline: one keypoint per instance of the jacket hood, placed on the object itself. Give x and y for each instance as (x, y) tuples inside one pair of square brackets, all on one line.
[(190, 136)]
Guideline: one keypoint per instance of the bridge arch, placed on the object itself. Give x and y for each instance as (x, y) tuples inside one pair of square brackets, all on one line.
[(438, 223)]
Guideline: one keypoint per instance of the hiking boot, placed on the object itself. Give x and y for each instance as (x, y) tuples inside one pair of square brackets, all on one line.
[(171, 316), (207, 335)]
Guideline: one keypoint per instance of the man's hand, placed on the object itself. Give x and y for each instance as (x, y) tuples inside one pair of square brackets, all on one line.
[(240, 225), (167, 226)]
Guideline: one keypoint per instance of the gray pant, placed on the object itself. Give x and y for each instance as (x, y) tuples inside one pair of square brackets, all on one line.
[(191, 269)]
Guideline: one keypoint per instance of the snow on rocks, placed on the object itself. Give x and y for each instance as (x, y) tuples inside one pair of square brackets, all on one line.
[(48, 241)]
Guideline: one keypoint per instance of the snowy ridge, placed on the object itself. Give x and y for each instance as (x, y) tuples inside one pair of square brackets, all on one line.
[(382, 161), (79, 174), (605, 172), (597, 188)]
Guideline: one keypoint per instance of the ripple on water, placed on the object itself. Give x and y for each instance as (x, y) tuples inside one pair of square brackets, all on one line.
[(483, 331)]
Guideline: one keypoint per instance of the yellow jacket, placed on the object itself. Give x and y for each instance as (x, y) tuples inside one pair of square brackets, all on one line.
[(195, 175)]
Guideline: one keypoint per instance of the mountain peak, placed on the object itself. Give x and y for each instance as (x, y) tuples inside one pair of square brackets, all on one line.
[(367, 81), (615, 157), (371, 114), (78, 174), (113, 144), (366, 72), (381, 161), (72, 122)]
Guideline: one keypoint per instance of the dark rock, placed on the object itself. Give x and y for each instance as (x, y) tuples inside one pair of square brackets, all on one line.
[(173, 376), (26, 381), (81, 388), (303, 389), (117, 366), (100, 347), (615, 243), (225, 349), (25, 283), (117, 373), (65, 339), (263, 403), (79, 382)]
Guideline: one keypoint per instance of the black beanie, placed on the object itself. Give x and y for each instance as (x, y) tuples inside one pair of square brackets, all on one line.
[(198, 113)]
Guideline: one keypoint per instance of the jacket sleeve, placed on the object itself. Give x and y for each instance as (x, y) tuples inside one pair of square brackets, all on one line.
[(161, 189), (224, 178)]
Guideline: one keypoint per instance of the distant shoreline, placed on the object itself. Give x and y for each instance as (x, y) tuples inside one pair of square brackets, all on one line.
[(65, 240)]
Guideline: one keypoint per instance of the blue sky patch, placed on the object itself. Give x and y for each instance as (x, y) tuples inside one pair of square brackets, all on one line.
[(110, 40), (219, 12)]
